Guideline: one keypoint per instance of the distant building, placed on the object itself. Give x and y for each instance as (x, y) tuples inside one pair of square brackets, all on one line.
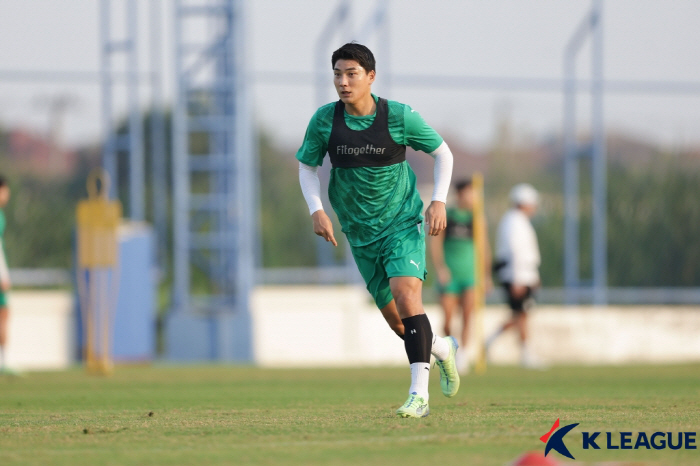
[(36, 154)]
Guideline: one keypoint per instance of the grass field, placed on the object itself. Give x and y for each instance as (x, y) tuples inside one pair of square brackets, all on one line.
[(201, 415)]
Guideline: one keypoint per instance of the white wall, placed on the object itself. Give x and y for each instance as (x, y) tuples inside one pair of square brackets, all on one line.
[(323, 326), (330, 326), (41, 330)]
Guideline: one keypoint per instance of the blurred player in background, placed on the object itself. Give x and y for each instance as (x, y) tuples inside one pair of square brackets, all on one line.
[(517, 265), (453, 256), (4, 275), (373, 192)]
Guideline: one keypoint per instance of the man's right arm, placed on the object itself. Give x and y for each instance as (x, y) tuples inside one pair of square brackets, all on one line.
[(311, 189), (310, 156)]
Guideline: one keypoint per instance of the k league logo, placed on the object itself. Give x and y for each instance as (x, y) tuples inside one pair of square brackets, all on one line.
[(554, 440)]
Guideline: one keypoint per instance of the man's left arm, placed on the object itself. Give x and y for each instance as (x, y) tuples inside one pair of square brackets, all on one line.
[(435, 214), (421, 136)]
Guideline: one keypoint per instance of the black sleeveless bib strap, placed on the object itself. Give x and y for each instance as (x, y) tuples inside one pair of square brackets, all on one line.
[(372, 147), (459, 230)]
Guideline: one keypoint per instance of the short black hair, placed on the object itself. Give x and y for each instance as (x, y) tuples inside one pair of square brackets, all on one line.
[(357, 52), (463, 184), (3, 181)]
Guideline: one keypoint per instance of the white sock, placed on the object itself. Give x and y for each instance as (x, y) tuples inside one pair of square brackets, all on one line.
[(440, 348), (2, 357), (420, 376), (524, 354)]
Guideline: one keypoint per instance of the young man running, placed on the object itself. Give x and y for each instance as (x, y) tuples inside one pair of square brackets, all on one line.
[(373, 192), (453, 256)]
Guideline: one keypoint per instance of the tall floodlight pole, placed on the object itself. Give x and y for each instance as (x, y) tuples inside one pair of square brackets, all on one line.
[(599, 163), (181, 179), (571, 164), (109, 156), (159, 196), (337, 22), (592, 25), (136, 163), (385, 44), (377, 23), (244, 215), (339, 25), (132, 143)]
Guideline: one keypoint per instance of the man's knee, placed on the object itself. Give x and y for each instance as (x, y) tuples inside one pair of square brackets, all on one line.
[(405, 295)]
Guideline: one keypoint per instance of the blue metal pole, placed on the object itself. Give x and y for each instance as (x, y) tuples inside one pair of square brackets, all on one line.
[(158, 168), (244, 182), (181, 182), (109, 157), (599, 163), (136, 163), (571, 184), (572, 215), (339, 17), (385, 41)]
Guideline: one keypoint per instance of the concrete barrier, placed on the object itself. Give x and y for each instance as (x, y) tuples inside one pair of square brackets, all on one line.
[(340, 326), (331, 326), (41, 330)]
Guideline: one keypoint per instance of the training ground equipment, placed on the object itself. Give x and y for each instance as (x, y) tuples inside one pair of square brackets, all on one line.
[(97, 270)]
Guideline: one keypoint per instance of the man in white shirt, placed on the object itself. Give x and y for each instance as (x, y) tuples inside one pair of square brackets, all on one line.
[(517, 263)]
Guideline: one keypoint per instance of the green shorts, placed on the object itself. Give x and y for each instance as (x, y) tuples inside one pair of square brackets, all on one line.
[(457, 285), (3, 299), (459, 259), (400, 254)]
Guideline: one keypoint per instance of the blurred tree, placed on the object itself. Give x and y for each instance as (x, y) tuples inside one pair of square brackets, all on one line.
[(287, 237)]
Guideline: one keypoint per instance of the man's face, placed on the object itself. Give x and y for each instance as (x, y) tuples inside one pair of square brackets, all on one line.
[(529, 209), (4, 195), (465, 197), (352, 82)]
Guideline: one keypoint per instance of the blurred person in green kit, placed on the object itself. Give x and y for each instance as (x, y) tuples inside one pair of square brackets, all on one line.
[(453, 256)]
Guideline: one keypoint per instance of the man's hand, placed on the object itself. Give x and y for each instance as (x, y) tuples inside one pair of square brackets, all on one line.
[(444, 275), (435, 218), (5, 285), (323, 226)]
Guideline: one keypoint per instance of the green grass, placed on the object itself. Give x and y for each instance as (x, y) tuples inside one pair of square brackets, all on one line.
[(240, 415)]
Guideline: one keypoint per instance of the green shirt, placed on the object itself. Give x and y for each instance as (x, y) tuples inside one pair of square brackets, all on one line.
[(459, 242), (372, 202)]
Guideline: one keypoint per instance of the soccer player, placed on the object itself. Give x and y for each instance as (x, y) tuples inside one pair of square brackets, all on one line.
[(452, 252), (4, 275), (373, 192), (517, 264)]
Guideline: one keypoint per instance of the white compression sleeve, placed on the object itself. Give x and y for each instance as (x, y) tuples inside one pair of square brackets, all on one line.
[(442, 173), (310, 187)]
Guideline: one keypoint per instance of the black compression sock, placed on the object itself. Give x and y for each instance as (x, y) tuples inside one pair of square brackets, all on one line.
[(418, 338)]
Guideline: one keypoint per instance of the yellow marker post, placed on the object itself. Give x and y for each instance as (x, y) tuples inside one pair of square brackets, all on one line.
[(480, 282), (97, 221)]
